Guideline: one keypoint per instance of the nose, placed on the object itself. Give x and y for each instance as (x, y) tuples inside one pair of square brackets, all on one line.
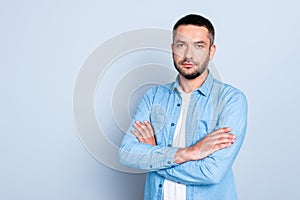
[(189, 53)]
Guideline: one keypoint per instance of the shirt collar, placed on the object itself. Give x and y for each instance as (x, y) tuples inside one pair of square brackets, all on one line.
[(204, 89)]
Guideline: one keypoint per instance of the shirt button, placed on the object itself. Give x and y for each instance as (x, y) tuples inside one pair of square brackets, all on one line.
[(169, 145), (178, 104), (172, 124), (169, 162), (160, 185), (151, 166)]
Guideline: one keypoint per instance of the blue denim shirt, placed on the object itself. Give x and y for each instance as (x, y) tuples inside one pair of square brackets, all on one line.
[(214, 105)]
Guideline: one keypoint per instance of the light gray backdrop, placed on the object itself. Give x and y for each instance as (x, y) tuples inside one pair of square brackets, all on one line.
[(44, 44)]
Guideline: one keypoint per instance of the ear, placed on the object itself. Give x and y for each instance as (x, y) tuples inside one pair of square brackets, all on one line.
[(212, 51)]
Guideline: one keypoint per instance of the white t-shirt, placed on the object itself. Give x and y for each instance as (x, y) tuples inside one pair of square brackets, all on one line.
[(173, 190)]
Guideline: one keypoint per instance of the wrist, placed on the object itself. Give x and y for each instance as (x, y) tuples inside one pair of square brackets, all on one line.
[(182, 155)]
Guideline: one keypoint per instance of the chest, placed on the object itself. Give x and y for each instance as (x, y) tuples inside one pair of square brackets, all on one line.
[(201, 118)]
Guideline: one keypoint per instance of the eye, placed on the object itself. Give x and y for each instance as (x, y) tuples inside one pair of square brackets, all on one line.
[(199, 46), (180, 45)]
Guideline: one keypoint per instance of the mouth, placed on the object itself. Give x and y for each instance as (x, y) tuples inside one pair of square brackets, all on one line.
[(187, 64)]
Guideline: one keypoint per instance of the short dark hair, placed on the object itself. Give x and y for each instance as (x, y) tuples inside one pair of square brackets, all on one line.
[(197, 20)]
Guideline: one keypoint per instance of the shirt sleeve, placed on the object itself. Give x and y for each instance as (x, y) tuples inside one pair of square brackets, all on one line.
[(138, 155), (213, 168)]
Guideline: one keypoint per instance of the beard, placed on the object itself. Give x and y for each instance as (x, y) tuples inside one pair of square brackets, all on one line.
[(198, 69)]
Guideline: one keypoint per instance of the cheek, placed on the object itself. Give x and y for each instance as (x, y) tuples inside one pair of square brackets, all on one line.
[(179, 53), (177, 57), (202, 55)]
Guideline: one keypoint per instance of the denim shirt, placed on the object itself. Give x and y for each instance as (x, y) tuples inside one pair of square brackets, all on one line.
[(213, 105)]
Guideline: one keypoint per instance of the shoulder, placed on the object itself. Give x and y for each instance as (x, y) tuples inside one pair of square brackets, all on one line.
[(160, 89), (228, 93)]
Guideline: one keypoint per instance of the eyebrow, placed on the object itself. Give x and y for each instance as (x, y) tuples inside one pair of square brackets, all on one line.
[(179, 41), (197, 42), (201, 42)]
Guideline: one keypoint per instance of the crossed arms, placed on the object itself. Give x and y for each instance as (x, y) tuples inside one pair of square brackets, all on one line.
[(205, 162), (218, 139)]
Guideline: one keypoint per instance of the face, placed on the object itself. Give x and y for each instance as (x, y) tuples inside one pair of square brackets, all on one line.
[(192, 51)]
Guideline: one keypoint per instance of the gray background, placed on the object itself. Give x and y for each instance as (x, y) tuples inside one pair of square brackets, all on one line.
[(44, 43)]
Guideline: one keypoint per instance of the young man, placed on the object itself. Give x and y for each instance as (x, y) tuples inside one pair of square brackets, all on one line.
[(188, 133)]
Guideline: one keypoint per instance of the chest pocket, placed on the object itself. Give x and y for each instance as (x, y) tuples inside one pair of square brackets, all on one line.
[(158, 118), (205, 127)]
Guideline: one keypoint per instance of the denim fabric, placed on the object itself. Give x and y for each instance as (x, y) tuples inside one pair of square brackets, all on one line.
[(213, 105)]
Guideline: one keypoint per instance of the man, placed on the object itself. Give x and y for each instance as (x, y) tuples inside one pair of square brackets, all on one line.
[(188, 133)]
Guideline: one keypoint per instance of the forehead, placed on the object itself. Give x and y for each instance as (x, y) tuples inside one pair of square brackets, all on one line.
[(191, 32)]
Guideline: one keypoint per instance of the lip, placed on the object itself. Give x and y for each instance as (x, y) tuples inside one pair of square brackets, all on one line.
[(188, 65)]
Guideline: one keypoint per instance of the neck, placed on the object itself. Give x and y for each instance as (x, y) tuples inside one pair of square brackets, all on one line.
[(190, 85)]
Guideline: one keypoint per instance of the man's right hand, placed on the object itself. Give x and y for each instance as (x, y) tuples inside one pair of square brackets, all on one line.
[(218, 139)]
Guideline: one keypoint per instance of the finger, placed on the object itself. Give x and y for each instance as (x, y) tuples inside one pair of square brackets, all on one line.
[(148, 130), (222, 130), (139, 131), (219, 143), (140, 137), (136, 134), (221, 146), (221, 136), (149, 127), (215, 134), (140, 127), (140, 124), (227, 135), (226, 140), (143, 130)]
